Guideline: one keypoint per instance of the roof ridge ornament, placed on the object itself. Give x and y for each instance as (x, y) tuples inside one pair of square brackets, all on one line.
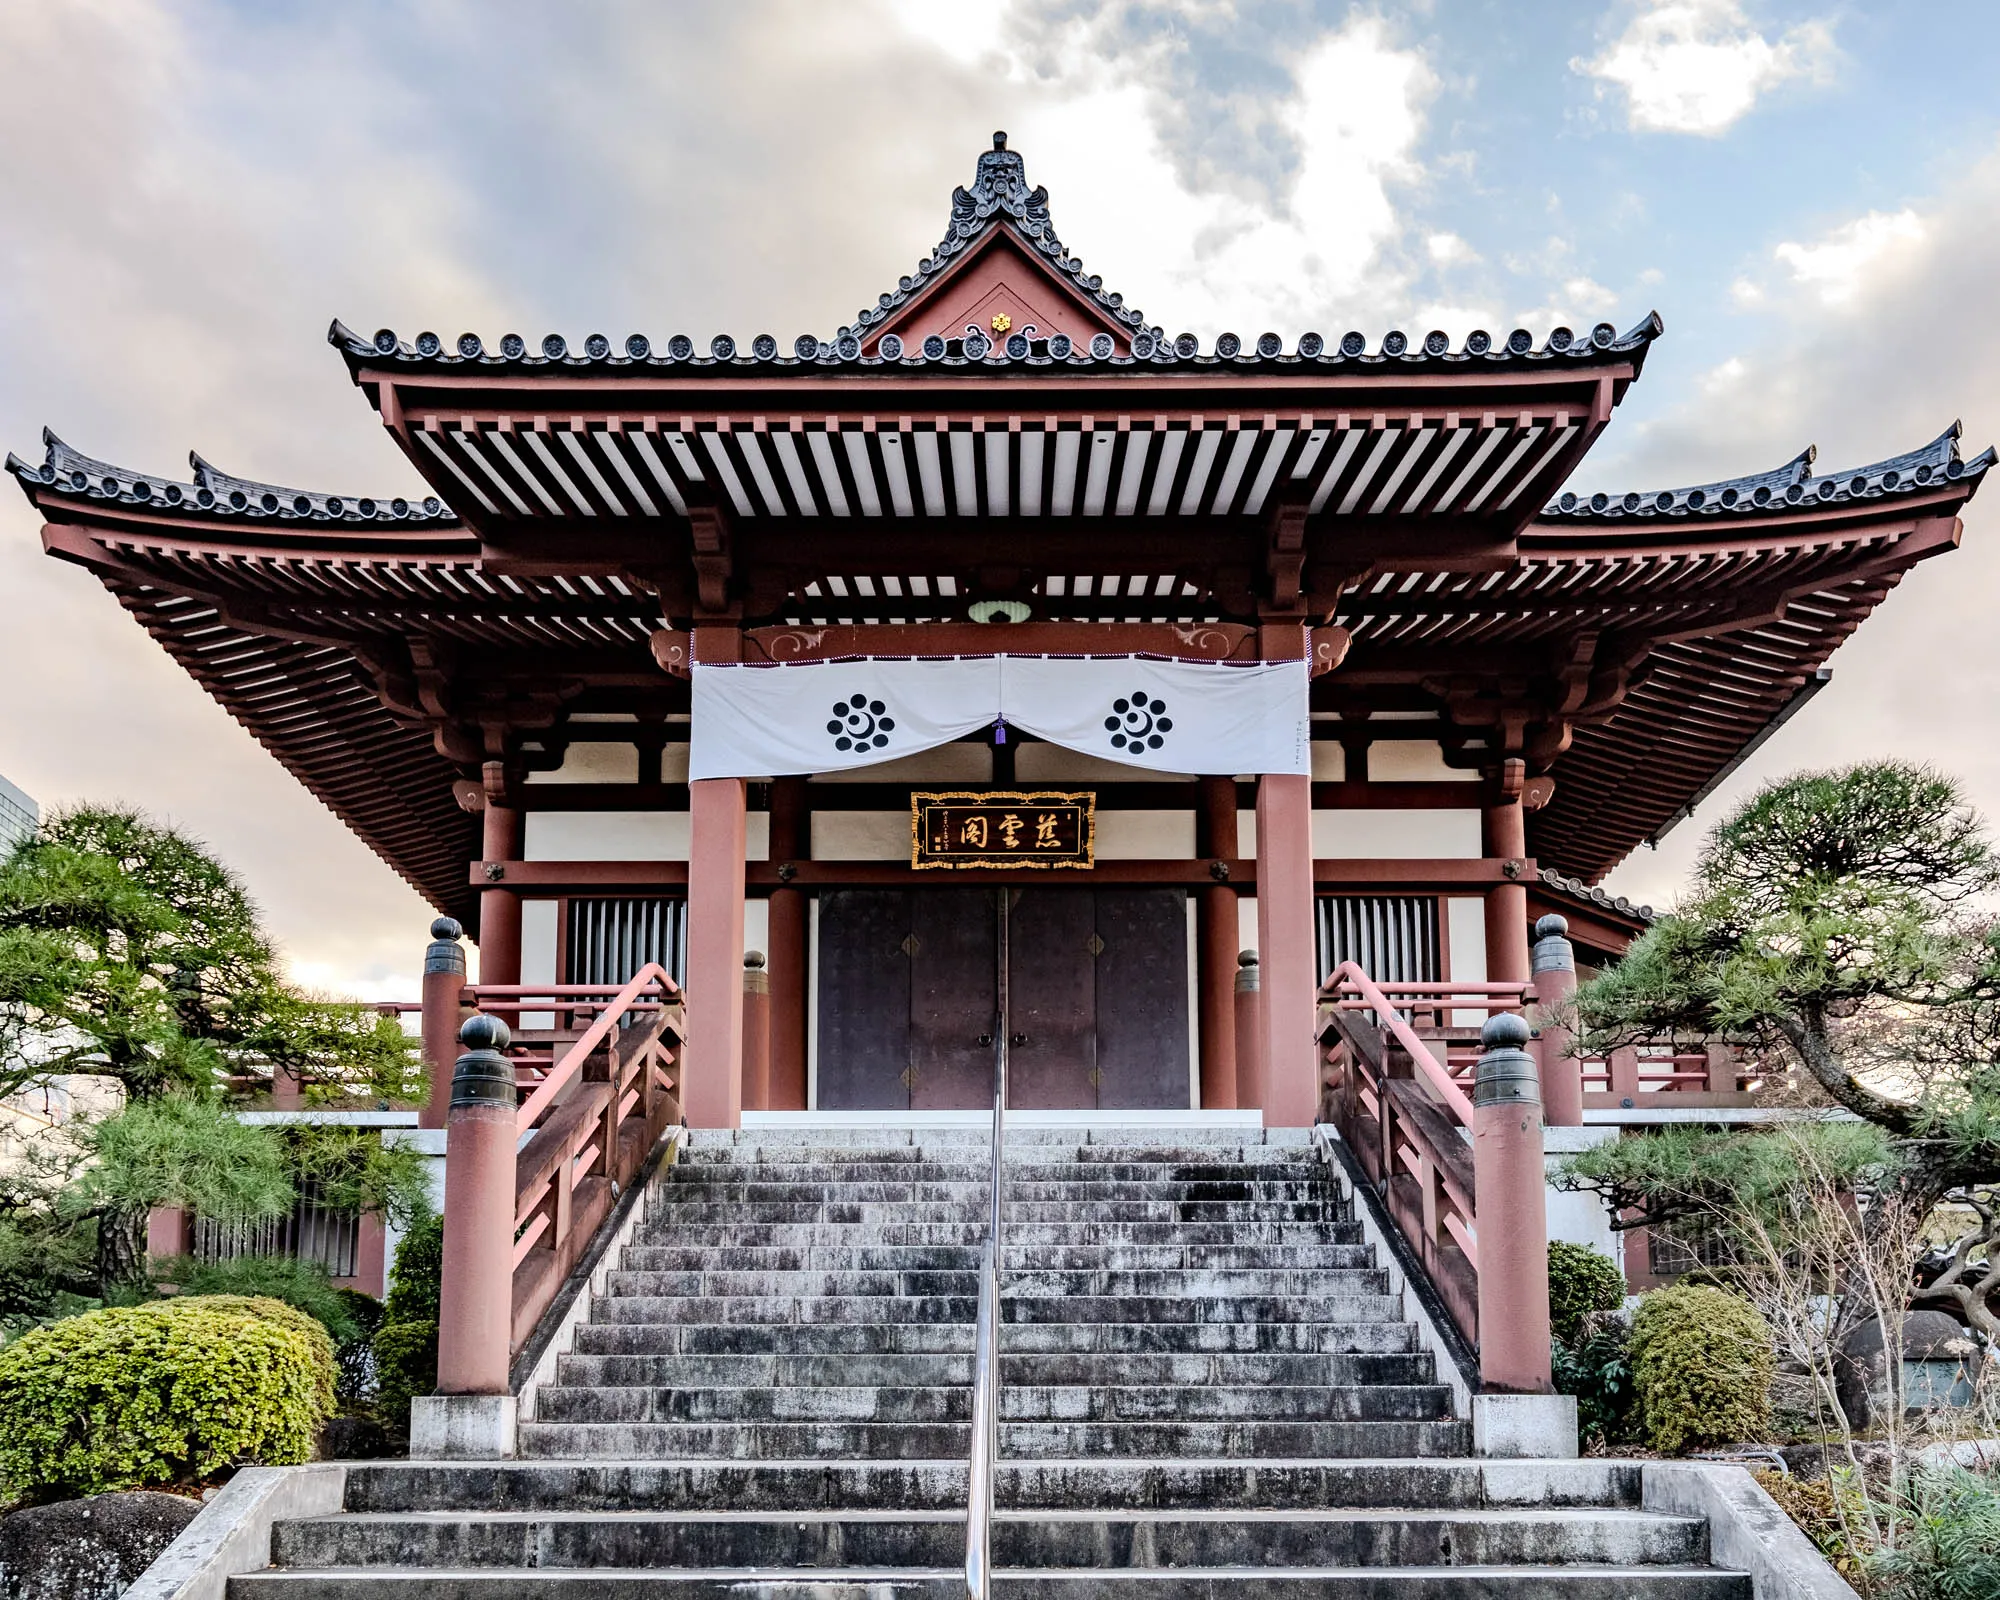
[(1000, 196)]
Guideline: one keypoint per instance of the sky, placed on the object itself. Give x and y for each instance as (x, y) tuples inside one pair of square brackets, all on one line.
[(1808, 193)]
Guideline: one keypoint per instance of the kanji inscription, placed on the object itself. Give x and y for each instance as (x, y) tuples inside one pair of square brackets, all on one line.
[(978, 828)]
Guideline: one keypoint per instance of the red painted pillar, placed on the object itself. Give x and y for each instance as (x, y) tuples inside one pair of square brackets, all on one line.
[(444, 982), (371, 1263), (1553, 965), (756, 1033), (1215, 946), (1513, 1223), (169, 1232), (476, 1296), (287, 1090), (1249, 1040), (788, 952), (712, 1091), (1290, 986), (1504, 836), (500, 909)]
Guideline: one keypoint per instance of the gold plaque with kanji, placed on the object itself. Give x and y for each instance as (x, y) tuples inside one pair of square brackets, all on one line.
[(984, 828)]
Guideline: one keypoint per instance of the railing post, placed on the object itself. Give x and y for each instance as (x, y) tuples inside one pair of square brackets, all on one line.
[(1513, 1227), (1721, 1063), (1249, 1033), (756, 1033), (1553, 968), (476, 1301), (444, 982), (1622, 1068)]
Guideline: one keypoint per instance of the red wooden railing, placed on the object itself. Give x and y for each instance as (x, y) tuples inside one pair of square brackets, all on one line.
[(1399, 1063), (593, 1113), (596, 1073)]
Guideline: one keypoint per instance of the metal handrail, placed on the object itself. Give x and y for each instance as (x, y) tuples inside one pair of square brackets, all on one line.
[(986, 1340)]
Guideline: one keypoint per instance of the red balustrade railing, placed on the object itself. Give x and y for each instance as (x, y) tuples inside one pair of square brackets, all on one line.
[(1398, 1068), (596, 1073)]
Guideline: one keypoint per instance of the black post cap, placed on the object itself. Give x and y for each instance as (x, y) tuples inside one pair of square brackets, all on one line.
[(1506, 1070), (445, 953), (482, 1076)]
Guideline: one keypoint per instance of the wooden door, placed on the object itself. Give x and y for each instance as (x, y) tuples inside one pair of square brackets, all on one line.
[(863, 985), (1051, 999), (1141, 999), (953, 979)]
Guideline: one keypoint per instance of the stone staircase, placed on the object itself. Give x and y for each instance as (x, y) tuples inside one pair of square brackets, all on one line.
[(1207, 1390)]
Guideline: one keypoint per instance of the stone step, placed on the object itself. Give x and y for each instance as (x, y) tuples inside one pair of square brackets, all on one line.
[(930, 1310), (953, 1403), (1384, 1334), (1075, 1140), (692, 1211), (832, 1257), (971, 1192), (940, 1485), (925, 1371), (925, 1167), (948, 1583), (1019, 1235), (1177, 1282), (893, 1539), (764, 1441)]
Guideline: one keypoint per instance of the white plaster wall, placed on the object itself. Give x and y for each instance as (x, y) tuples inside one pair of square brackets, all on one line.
[(1329, 762), (1465, 934), (674, 762), (592, 762), (625, 836), (948, 763), (1145, 835), (757, 926), (861, 836), (1465, 928), (1412, 761), (538, 952), (1393, 835), (1246, 922), (1579, 1218), (1051, 763)]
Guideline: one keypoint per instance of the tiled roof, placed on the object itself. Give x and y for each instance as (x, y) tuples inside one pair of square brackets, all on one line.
[(216, 494), (1577, 889), (1791, 485), (999, 197)]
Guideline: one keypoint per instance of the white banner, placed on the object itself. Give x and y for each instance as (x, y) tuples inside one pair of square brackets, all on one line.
[(829, 716), (1170, 716)]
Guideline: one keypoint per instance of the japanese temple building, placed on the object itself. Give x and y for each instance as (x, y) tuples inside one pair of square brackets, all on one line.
[(1143, 562)]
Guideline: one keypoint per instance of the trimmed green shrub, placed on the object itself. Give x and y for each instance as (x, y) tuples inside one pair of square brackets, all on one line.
[(406, 1363), (416, 1280), (357, 1355), (405, 1345), (1702, 1364), (1596, 1367), (303, 1284), (171, 1392), (1581, 1280), (326, 1366)]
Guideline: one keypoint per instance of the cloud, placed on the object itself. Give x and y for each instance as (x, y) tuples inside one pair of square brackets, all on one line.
[(1697, 66), (1840, 269), (1868, 342), (209, 185)]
